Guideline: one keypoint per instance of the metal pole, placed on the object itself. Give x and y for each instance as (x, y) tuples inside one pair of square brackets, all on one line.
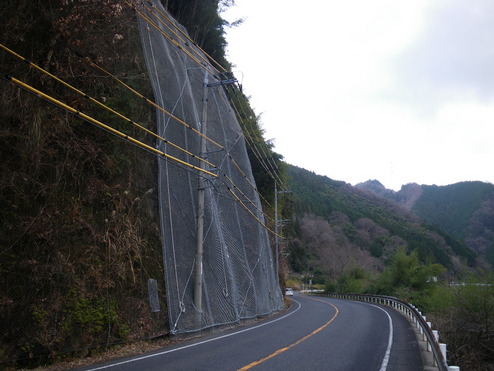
[(276, 228), (198, 277)]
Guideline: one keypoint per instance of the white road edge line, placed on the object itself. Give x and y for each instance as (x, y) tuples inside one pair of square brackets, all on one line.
[(384, 365), (196, 344)]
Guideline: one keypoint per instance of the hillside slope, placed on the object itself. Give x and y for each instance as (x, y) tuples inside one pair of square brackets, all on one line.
[(361, 226), (464, 210), (89, 225), (80, 235)]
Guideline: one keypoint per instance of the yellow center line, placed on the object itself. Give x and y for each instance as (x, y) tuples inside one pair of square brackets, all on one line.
[(279, 351)]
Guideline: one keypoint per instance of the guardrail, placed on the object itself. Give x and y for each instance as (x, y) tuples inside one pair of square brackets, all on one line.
[(425, 328)]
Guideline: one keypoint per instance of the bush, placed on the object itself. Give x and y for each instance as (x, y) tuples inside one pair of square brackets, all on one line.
[(465, 316)]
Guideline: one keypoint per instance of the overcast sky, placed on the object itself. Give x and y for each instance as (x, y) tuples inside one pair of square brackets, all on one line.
[(399, 91)]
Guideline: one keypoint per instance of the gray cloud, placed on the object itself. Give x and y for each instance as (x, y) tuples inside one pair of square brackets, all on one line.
[(453, 58)]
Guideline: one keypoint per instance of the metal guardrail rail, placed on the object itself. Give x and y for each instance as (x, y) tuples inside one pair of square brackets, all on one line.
[(431, 336)]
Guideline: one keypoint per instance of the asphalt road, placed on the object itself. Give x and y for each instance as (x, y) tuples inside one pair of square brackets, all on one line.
[(315, 334)]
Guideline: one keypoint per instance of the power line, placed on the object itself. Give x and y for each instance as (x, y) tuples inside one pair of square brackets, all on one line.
[(252, 143), (269, 158)]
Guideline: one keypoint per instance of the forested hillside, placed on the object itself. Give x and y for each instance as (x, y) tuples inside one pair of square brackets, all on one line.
[(80, 233), (78, 206), (80, 240), (464, 210), (338, 226)]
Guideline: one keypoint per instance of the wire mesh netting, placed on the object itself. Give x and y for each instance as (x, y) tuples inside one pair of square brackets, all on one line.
[(238, 276), (96, 232)]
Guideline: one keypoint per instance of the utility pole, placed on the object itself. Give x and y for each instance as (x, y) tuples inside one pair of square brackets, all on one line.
[(276, 222), (224, 79), (200, 202), (276, 229)]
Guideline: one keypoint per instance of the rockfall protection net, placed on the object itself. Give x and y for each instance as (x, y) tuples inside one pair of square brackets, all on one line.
[(238, 276)]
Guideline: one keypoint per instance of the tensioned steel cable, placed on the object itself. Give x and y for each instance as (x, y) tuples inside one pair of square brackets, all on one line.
[(147, 100), (118, 133), (104, 105), (252, 142), (154, 104), (131, 121), (183, 123), (101, 125), (237, 166), (147, 19), (153, 24), (248, 181), (212, 59), (251, 213), (269, 158), (246, 197), (203, 55), (253, 145), (254, 204), (187, 37), (272, 172), (128, 138)]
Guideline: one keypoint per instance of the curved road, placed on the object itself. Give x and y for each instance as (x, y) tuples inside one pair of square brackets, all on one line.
[(315, 334)]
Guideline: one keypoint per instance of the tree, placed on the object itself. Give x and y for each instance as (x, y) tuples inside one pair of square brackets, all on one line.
[(406, 277)]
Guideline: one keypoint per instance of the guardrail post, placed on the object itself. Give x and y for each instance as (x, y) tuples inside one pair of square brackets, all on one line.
[(436, 335), (429, 344), (442, 346), (453, 368)]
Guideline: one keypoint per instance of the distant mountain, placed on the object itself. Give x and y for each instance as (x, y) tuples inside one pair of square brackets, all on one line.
[(465, 210), (338, 224), (377, 188), (407, 196)]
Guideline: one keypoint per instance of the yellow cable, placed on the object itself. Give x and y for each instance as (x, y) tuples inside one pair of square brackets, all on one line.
[(104, 126), (201, 56), (105, 106), (155, 26), (155, 105), (246, 197), (238, 167), (273, 174), (257, 154), (187, 37), (252, 144), (251, 213), (268, 158)]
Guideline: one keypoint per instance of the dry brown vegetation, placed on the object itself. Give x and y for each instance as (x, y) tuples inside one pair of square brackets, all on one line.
[(79, 236)]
